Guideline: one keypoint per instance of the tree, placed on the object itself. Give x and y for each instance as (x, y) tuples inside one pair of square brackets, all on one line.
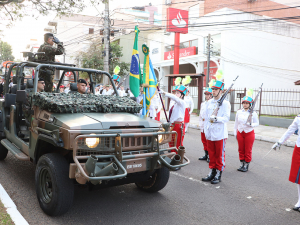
[(6, 52), (16, 9), (94, 58)]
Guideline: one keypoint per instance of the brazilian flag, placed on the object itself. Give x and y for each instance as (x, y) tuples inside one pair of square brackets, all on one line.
[(135, 71)]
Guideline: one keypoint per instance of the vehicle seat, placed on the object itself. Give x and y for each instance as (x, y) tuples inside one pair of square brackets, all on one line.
[(73, 87)]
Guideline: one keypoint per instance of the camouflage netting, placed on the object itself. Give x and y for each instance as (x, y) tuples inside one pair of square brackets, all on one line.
[(78, 103)]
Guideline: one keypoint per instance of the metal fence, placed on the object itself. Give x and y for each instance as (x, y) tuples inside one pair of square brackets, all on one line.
[(271, 102)]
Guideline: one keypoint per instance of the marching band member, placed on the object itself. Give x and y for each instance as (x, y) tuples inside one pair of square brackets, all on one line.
[(116, 79), (208, 96), (188, 110), (172, 101), (244, 132), (295, 166), (176, 113), (216, 133)]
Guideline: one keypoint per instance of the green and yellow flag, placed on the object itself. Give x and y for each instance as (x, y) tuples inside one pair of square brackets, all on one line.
[(135, 71)]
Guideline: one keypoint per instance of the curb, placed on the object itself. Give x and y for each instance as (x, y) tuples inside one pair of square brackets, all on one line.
[(257, 137), (11, 208)]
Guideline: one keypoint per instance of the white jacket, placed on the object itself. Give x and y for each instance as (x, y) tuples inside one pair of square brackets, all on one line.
[(202, 116), (241, 119), (218, 130), (292, 128), (189, 103), (178, 109)]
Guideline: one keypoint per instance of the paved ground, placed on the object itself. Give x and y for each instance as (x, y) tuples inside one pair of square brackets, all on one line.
[(261, 196)]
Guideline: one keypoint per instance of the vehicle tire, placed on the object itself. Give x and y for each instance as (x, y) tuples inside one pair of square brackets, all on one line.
[(157, 181), (54, 188), (3, 152)]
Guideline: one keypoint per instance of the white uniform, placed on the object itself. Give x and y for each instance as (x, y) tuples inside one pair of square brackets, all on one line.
[(178, 108), (202, 116), (216, 131), (105, 92), (121, 93), (241, 119), (291, 130), (155, 106), (189, 104)]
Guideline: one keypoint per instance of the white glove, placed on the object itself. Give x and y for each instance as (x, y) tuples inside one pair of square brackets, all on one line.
[(276, 145), (213, 119), (249, 124)]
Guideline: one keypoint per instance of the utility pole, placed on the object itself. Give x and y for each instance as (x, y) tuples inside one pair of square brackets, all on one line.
[(106, 39), (208, 59)]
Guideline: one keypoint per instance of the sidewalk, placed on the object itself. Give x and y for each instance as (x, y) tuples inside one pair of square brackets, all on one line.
[(262, 132)]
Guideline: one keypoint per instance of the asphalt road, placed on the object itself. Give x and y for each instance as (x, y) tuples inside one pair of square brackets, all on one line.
[(263, 195)]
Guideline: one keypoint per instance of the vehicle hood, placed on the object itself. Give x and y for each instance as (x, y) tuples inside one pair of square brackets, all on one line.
[(98, 121)]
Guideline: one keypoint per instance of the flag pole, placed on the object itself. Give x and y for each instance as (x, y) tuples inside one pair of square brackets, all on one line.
[(163, 105)]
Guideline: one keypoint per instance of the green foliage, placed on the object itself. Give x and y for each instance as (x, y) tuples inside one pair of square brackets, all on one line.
[(6, 52), (16, 9), (93, 58)]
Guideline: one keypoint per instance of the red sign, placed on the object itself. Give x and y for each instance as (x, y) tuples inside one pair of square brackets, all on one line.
[(184, 52), (177, 20)]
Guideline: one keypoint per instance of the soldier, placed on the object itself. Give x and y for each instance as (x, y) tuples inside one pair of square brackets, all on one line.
[(81, 86), (244, 133), (49, 56), (107, 90), (41, 85), (208, 96), (188, 110), (176, 113), (216, 133), (116, 79), (295, 166)]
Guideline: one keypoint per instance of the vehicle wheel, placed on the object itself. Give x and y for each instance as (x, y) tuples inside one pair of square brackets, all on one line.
[(54, 188), (157, 181), (3, 152)]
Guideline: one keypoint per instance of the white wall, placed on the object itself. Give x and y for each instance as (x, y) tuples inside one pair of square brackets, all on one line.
[(260, 57)]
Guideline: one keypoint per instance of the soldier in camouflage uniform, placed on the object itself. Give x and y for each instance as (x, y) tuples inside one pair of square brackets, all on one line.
[(50, 52)]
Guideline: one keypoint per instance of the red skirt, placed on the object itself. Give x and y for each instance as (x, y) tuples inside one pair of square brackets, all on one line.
[(177, 128), (157, 116), (295, 167), (187, 115)]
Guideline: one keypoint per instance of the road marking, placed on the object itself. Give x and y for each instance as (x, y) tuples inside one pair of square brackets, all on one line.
[(189, 178)]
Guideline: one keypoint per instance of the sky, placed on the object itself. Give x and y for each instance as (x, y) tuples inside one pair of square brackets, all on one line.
[(19, 35)]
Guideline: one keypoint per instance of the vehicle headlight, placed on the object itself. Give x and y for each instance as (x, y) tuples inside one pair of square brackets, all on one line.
[(92, 142), (160, 136)]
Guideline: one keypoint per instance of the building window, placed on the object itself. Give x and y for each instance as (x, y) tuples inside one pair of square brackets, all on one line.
[(91, 30)]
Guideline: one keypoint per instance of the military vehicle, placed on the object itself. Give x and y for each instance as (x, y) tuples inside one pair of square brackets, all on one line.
[(82, 139)]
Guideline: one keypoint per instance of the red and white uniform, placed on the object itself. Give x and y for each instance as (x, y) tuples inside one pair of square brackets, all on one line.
[(188, 110), (216, 133), (176, 115), (245, 133), (295, 167), (201, 124)]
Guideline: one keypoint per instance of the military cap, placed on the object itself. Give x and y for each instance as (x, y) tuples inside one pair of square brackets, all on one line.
[(47, 35), (107, 85), (82, 81), (40, 79)]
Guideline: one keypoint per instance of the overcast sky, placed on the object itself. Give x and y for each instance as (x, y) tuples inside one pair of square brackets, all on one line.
[(20, 34)]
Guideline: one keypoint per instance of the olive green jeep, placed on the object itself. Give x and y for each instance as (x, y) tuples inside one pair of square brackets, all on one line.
[(82, 139)]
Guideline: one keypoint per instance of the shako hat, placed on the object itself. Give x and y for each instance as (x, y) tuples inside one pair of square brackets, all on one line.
[(182, 89), (116, 78), (208, 91)]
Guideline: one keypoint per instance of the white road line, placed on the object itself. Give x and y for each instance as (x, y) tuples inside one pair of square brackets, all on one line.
[(189, 178)]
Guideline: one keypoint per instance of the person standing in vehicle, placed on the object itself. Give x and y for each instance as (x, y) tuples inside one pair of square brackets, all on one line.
[(188, 110), (107, 90), (208, 96), (244, 133), (216, 133), (295, 166), (81, 86), (49, 56), (176, 113)]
